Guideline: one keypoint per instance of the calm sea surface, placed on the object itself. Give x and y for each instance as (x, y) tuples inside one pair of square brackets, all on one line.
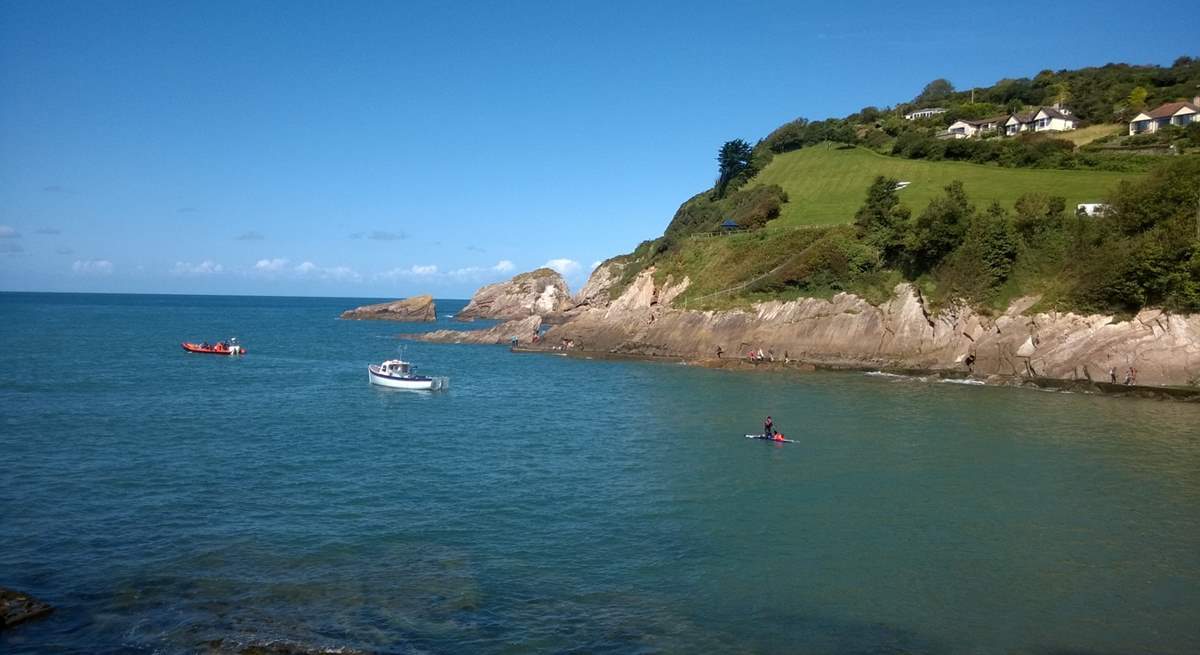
[(165, 502)]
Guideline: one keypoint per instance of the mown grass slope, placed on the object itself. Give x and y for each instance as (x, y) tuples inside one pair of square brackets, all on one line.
[(826, 184)]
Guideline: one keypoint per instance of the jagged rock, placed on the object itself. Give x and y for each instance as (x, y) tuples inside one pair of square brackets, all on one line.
[(596, 293), (521, 329), (16, 607), (542, 292), (416, 309), (901, 333)]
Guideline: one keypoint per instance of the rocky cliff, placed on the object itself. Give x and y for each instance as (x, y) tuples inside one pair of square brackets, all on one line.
[(846, 330), (413, 310), (541, 292), (901, 333)]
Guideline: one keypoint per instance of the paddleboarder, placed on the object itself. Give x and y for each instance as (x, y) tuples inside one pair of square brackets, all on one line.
[(768, 428)]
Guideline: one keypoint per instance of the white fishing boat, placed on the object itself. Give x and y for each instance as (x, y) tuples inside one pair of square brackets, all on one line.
[(399, 374)]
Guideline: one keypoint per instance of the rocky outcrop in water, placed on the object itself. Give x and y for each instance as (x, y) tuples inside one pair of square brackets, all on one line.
[(417, 309), (542, 292), (16, 607), (230, 647), (521, 329)]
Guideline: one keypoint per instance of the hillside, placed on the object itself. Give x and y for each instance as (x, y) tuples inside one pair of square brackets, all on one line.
[(861, 203), (826, 184)]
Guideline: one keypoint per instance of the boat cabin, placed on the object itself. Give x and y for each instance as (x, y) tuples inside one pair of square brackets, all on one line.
[(395, 367)]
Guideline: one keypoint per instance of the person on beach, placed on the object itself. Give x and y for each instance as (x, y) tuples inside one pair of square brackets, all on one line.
[(719, 351), (768, 428), (970, 362), (1112, 374)]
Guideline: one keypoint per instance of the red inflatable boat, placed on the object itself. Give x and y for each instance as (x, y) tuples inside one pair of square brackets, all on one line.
[(231, 347)]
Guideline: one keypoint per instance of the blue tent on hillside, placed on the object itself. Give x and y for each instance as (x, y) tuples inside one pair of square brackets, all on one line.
[(730, 225)]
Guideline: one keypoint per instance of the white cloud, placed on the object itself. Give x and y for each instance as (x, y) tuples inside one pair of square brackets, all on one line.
[(340, 273), (206, 267), (92, 267), (563, 265), (270, 265), (596, 264), (7, 232), (503, 266)]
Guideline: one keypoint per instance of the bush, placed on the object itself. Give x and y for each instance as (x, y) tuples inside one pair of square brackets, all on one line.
[(985, 260), (834, 261), (938, 230), (752, 208)]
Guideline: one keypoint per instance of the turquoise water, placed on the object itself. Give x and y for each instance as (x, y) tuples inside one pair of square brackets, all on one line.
[(166, 501)]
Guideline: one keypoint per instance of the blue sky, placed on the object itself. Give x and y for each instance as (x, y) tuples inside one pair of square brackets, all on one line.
[(386, 149)]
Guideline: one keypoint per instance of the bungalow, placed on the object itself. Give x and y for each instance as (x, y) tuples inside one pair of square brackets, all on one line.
[(962, 129), (1173, 113), (1045, 119), (924, 113)]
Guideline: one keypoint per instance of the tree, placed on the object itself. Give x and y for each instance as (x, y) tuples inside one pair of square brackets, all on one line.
[(1061, 93), (733, 158), (1137, 98), (935, 91), (882, 219), (939, 229)]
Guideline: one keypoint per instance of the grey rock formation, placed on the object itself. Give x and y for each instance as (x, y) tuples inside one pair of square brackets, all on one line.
[(541, 292), (596, 293), (521, 329), (417, 309), (16, 607), (901, 333)]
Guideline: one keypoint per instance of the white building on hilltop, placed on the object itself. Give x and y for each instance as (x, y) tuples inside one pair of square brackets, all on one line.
[(924, 113)]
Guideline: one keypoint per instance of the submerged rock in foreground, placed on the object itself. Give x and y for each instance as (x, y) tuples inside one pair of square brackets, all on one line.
[(16, 607), (522, 330), (223, 647), (417, 309), (542, 292)]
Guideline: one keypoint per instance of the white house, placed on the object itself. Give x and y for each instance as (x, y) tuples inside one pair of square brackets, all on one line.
[(1045, 119), (962, 129), (1172, 113), (924, 113)]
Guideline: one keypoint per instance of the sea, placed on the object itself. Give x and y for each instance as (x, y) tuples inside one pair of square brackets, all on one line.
[(166, 502)]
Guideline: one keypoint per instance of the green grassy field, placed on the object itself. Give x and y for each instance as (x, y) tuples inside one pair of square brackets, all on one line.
[(826, 185)]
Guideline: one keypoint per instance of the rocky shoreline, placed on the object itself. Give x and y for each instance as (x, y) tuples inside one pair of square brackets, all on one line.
[(1187, 394), (1154, 350)]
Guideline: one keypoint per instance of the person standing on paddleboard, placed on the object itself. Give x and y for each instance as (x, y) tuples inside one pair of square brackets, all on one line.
[(768, 428)]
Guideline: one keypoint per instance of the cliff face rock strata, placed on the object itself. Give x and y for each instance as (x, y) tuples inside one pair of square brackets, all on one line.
[(417, 309), (902, 333), (596, 292), (540, 292), (522, 329)]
